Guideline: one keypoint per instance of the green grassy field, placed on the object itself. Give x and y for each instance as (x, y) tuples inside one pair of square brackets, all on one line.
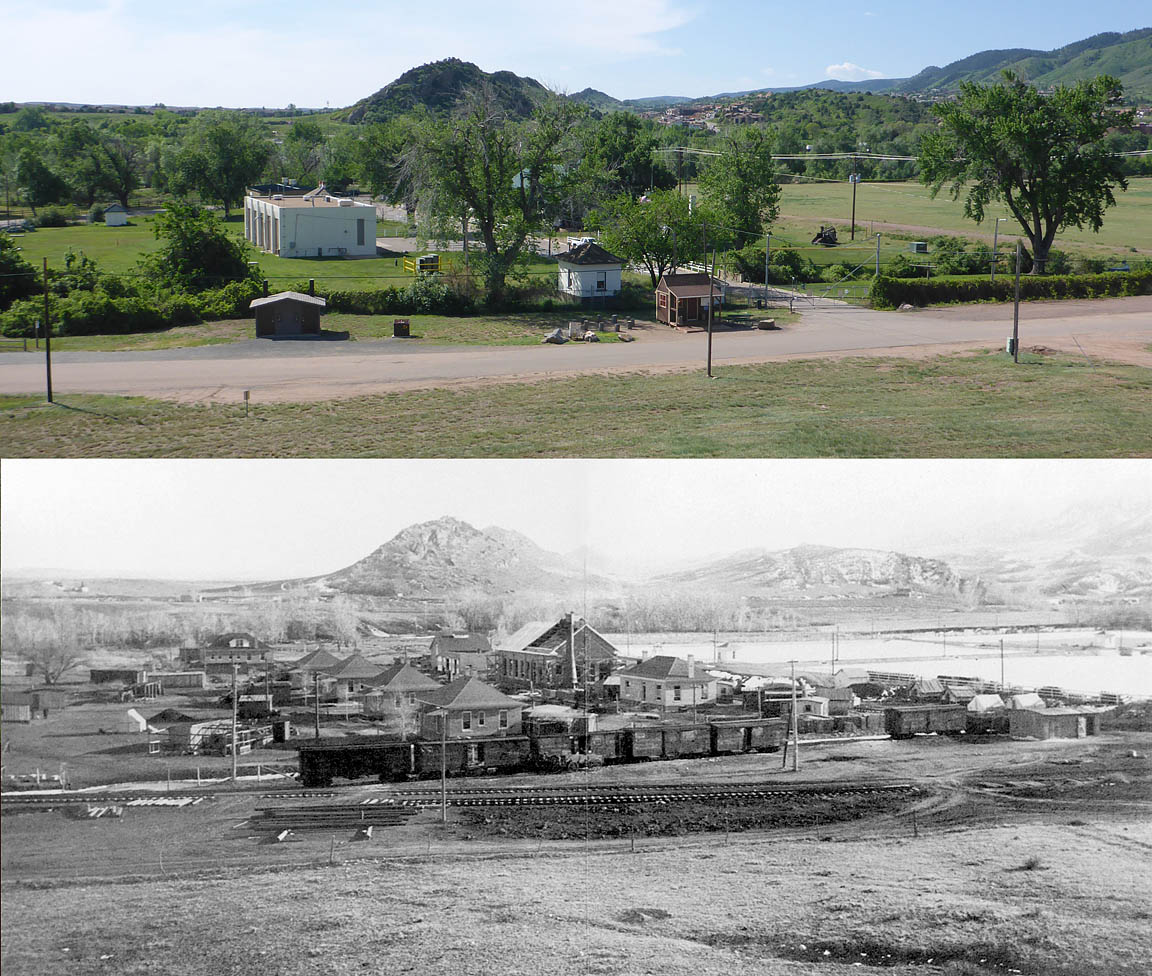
[(959, 406), (118, 249), (1127, 225), (511, 329)]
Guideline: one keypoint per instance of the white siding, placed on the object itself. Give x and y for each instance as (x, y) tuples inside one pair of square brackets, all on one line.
[(306, 231), (583, 280)]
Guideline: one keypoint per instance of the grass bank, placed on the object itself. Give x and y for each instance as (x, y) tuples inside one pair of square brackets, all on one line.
[(949, 406)]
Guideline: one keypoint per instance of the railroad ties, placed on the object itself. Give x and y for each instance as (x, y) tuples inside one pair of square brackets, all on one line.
[(362, 817), (419, 799)]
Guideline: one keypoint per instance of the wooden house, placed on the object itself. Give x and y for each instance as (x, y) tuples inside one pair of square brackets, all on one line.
[(566, 655), (394, 695), (462, 654), (682, 299), (353, 676), (667, 682), (587, 271), (1052, 723)]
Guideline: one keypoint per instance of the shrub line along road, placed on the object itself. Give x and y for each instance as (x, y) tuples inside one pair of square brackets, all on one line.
[(1112, 329)]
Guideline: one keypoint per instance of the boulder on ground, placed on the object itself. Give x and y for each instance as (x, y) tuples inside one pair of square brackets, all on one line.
[(556, 337)]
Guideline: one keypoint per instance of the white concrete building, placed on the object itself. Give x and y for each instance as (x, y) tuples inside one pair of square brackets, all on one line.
[(314, 225), (588, 271)]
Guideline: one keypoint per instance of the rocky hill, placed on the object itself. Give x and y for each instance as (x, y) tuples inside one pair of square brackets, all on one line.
[(447, 556), (439, 86), (822, 568)]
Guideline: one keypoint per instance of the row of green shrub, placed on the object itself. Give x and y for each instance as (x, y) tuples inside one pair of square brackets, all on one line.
[(888, 292), (118, 309)]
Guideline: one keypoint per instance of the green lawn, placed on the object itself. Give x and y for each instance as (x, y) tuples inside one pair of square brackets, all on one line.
[(1127, 225), (510, 329), (954, 406), (119, 249)]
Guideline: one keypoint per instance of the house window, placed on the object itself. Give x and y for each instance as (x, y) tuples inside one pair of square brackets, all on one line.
[(351, 686), (643, 691), (480, 718), (398, 700), (601, 280), (503, 718), (704, 691), (466, 721), (675, 692), (659, 691), (360, 231)]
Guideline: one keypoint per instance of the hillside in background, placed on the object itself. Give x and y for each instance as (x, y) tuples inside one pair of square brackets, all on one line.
[(1126, 56), (439, 86)]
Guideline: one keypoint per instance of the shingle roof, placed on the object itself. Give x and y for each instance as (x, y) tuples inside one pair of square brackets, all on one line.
[(404, 677), (285, 295), (355, 666), (465, 644), (318, 660), (224, 640), (666, 666), (468, 693), (589, 253), (694, 285)]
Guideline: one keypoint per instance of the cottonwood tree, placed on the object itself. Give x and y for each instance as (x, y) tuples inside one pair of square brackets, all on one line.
[(739, 186), (656, 233), (508, 174), (1043, 156), (196, 251), (220, 155), (49, 641)]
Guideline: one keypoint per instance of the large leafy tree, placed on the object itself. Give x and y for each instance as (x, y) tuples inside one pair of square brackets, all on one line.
[(83, 163), (1043, 156), (739, 186), (17, 276), (221, 153), (510, 175), (656, 232), (303, 149), (196, 251), (41, 184)]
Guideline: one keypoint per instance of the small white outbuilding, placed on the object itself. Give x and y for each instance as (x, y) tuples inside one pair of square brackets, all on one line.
[(588, 272), (115, 216)]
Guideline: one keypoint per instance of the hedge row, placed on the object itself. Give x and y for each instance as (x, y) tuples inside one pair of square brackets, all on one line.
[(102, 313), (887, 292)]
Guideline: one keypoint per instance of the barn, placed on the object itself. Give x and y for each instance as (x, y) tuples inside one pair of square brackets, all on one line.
[(287, 314)]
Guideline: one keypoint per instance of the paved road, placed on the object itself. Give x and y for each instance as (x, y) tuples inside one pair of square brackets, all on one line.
[(1114, 329)]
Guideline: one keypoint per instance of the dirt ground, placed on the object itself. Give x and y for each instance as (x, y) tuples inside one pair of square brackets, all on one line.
[(1025, 857)]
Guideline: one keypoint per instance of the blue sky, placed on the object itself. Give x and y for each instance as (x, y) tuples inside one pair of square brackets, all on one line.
[(272, 53)]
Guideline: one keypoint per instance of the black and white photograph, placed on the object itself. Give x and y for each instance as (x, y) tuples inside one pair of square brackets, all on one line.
[(576, 716)]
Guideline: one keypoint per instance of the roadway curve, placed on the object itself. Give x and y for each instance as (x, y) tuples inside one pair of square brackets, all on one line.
[(1114, 329)]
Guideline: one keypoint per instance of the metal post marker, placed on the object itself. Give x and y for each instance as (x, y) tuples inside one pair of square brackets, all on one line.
[(247, 397)]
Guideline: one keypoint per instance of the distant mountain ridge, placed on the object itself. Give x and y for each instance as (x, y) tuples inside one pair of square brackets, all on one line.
[(440, 85)]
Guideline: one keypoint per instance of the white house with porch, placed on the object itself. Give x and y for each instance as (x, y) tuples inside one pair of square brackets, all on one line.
[(588, 271)]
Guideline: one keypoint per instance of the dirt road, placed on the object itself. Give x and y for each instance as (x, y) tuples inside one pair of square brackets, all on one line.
[(1116, 329)]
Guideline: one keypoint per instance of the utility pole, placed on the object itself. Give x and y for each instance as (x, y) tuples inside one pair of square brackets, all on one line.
[(795, 725), (444, 765), (47, 334), (711, 302), (1001, 662), (316, 716), (855, 179), (995, 239), (767, 252), (877, 255), (1015, 311), (235, 716)]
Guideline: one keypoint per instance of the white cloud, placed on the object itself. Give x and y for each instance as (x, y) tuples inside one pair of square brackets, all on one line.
[(851, 72)]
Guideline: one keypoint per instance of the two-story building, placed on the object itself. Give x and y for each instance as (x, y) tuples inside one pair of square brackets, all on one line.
[(394, 696), (470, 655), (567, 655)]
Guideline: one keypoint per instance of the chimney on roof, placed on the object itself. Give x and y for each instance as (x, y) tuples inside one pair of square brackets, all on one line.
[(643, 654), (691, 666)]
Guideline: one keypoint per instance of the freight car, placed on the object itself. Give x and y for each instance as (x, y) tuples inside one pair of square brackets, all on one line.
[(370, 757), (905, 721)]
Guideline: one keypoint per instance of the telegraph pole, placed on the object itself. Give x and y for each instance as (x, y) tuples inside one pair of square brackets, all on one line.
[(855, 179), (316, 718), (235, 716), (767, 252), (795, 725), (1015, 312), (47, 334), (444, 766), (711, 279)]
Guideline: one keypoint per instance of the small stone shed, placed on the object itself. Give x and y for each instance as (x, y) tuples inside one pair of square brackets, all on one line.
[(287, 313)]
